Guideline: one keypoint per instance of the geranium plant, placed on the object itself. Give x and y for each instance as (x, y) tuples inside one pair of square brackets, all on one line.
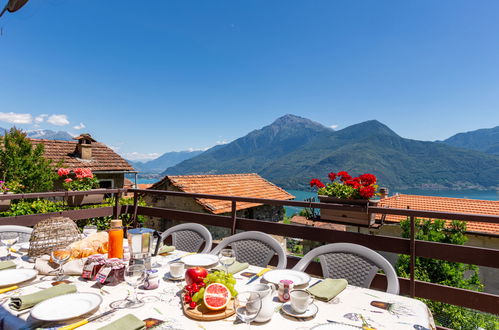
[(3, 187), (78, 179), (343, 185)]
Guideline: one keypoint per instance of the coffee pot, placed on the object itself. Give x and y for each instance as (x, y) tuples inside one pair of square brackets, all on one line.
[(140, 244)]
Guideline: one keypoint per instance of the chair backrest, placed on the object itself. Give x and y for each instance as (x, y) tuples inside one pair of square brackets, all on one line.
[(189, 237), (254, 247), (355, 263), (24, 233)]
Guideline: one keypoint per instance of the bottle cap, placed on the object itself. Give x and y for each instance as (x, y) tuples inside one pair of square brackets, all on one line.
[(116, 223)]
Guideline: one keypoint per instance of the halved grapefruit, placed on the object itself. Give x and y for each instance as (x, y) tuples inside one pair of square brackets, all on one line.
[(216, 296)]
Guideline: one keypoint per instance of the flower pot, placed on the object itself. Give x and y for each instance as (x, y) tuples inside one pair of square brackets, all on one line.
[(5, 203), (85, 199), (358, 218)]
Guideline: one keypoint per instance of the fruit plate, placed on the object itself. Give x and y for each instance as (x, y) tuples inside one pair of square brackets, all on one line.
[(204, 314)]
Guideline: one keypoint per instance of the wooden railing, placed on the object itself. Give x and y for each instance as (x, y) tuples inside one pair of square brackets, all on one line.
[(481, 301)]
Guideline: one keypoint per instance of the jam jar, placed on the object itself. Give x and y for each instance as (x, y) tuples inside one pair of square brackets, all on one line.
[(92, 266), (112, 272)]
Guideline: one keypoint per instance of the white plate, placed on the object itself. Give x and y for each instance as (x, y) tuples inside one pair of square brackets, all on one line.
[(335, 326), (10, 277), (311, 310), (298, 278), (66, 307), (200, 259)]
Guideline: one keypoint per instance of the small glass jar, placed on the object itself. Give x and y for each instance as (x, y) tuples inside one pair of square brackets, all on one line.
[(285, 287), (152, 280), (112, 272), (92, 266)]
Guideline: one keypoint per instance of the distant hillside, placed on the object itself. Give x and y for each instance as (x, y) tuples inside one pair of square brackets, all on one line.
[(486, 140), (292, 150), (164, 161)]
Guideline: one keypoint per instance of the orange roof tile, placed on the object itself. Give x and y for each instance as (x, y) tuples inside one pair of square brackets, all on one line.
[(301, 220), (446, 204), (241, 185), (103, 157)]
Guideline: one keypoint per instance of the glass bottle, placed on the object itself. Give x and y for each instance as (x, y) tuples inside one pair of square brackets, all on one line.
[(116, 240)]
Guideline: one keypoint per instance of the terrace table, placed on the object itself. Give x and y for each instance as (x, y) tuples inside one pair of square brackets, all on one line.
[(165, 304)]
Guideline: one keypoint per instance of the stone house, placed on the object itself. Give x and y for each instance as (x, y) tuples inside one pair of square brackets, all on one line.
[(242, 185), (109, 167)]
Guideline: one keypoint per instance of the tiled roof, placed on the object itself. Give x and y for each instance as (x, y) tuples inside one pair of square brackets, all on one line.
[(241, 185), (103, 157), (446, 204)]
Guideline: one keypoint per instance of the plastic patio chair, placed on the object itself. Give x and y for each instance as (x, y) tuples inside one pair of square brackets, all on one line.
[(355, 263), (254, 247), (189, 237), (24, 233)]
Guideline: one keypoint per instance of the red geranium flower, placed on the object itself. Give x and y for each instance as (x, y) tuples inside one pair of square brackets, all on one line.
[(332, 176), (317, 183), (367, 192), (63, 171), (367, 179), (68, 180)]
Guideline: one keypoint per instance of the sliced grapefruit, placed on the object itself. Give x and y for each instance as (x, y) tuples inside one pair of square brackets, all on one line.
[(216, 296)]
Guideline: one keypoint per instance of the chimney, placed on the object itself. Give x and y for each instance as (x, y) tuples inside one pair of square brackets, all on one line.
[(84, 146), (383, 192)]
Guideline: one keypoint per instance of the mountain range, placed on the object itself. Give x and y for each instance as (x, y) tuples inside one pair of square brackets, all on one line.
[(486, 140), (292, 150), (46, 134), (164, 161)]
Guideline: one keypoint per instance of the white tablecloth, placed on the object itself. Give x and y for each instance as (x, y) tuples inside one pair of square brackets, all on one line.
[(348, 307)]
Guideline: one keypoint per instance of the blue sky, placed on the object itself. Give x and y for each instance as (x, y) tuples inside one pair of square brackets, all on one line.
[(148, 77)]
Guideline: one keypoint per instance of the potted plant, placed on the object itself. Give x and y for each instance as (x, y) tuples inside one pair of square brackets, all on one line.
[(80, 179), (345, 189)]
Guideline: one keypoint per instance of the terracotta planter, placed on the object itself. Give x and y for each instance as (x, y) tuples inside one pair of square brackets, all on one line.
[(359, 218), (5, 203), (85, 199)]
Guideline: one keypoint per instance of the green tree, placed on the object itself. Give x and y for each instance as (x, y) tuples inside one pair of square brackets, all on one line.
[(24, 164), (448, 273)]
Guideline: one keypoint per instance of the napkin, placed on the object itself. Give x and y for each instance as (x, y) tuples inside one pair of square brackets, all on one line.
[(7, 264), (72, 267), (127, 322), (328, 289), (235, 267), (30, 300), (166, 249)]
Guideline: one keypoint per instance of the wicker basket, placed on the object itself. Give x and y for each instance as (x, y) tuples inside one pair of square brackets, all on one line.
[(52, 233)]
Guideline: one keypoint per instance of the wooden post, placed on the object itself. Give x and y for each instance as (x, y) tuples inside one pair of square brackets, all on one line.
[(234, 219), (135, 208), (116, 210), (412, 266)]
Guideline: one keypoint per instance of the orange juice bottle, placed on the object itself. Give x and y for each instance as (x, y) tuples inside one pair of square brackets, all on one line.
[(116, 240)]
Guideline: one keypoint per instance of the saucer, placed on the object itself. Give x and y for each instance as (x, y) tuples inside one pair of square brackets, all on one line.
[(169, 277), (311, 311)]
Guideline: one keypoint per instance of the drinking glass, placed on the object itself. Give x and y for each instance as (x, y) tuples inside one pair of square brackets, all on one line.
[(89, 230), (134, 276), (248, 305), (60, 256), (227, 257), (9, 242)]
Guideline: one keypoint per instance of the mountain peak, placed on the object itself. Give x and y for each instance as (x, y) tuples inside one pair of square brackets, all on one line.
[(290, 119), (367, 128)]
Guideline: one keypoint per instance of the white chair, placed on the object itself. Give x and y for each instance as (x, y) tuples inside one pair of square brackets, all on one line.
[(11, 231)]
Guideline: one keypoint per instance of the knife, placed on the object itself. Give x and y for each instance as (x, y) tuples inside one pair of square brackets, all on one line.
[(185, 255), (85, 321), (255, 277), (14, 287)]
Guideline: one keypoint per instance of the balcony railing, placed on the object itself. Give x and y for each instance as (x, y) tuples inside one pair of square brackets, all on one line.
[(480, 301)]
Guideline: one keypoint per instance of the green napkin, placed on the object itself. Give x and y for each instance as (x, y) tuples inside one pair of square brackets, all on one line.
[(166, 249), (30, 300), (127, 322), (235, 267), (7, 264), (328, 289)]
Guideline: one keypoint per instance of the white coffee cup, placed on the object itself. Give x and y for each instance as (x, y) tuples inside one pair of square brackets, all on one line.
[(300, 300), (177, 269)]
